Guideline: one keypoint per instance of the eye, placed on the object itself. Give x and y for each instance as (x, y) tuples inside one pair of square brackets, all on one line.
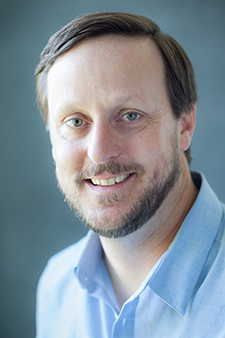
[(76, 122), (131, 116)]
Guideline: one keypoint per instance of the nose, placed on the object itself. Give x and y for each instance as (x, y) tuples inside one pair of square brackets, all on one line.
[(103, 143)]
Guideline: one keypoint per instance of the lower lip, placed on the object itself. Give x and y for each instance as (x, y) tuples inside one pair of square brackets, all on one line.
[(116, 186)]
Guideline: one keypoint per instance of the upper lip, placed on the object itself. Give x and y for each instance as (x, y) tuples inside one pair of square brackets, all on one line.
[(107, 176)]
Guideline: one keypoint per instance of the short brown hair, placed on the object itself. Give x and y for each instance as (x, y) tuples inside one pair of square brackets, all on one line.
[(180, 79)]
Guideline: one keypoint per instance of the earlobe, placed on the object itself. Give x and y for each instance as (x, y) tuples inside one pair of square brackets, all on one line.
[(187, 127)]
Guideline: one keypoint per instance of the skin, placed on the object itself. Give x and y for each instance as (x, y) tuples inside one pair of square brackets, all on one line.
[(108, 106)]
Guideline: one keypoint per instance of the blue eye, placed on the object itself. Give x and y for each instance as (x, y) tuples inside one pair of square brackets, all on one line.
[(132, 116), (75, 122)]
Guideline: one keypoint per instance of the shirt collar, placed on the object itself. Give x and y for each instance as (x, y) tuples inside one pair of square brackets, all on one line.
[(177, 274), (88, 260)]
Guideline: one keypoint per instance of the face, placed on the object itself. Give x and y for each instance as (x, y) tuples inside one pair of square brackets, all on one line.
[(115, 140)]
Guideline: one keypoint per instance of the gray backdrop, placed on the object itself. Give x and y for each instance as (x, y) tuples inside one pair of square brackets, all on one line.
[(35, 222)]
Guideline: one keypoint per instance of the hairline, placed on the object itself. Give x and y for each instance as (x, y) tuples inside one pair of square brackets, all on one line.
[(138, 35)]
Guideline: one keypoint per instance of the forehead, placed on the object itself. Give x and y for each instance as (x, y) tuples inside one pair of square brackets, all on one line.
[(125, 50), (108, 66)]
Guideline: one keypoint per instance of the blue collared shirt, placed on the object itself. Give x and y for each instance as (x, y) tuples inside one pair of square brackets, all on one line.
[(183, 296)]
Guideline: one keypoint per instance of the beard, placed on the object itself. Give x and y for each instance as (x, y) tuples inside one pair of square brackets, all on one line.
[(137, 214)]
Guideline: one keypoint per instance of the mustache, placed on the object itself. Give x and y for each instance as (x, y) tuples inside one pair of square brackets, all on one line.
[(112, 168)]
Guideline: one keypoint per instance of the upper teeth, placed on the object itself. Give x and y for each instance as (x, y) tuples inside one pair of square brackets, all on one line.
[(110, 181)]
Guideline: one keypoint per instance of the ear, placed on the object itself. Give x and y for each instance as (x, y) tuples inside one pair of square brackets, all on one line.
[(187, 126)]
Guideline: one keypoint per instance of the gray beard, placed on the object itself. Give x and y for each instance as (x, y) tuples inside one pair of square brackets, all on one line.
[(140, 213)]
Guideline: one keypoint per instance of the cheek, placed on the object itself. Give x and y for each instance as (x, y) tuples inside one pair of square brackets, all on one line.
[(155, 147), (68, 156), (147, 147)]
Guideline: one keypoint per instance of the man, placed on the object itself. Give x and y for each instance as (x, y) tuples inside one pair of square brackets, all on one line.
[(119, 100)]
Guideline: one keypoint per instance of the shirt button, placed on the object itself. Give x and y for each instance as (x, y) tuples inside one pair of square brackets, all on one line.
[(124, 321)]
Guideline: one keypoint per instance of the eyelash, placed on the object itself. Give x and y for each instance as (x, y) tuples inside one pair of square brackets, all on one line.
[(70, 122), (125, 117), (137, 116)]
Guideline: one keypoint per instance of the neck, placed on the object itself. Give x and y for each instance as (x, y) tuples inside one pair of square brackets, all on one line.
[(129, 259)]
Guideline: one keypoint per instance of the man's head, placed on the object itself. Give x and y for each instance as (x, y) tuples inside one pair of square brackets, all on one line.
[(117, 138), (179, 74)]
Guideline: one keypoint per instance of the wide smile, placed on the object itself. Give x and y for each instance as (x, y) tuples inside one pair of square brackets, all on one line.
[(109, 181)]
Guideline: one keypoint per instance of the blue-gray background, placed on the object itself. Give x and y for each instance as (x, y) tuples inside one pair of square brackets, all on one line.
[(35, 222)]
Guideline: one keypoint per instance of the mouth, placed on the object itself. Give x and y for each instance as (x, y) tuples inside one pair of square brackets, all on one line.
[(109, 182)]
